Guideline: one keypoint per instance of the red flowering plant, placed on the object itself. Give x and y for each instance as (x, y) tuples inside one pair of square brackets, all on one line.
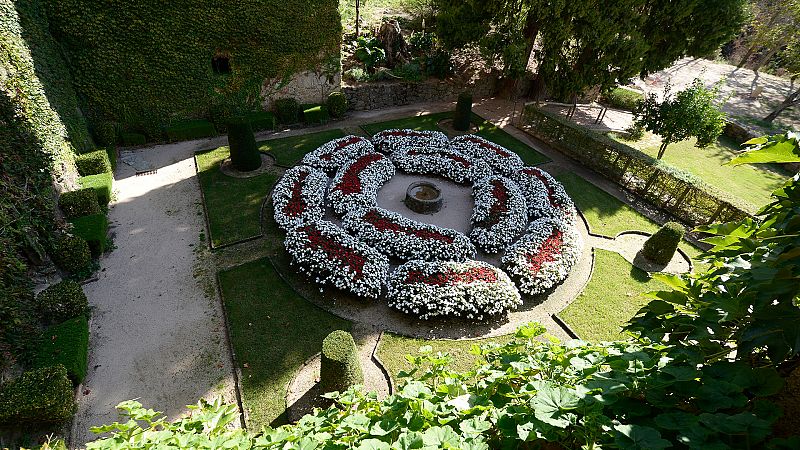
[(332, 155), (328, 255), (544, 256), (534, 183), (356, 184), (502, 160), (299, 197), (470, 289), (499, 215), (398, 236)]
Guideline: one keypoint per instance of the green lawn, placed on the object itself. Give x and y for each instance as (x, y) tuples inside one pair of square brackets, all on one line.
[(428, 122), (491, 132), (393, 349), (233, 204), (288, 151), (273, 331), (750, 184), (612, 297)]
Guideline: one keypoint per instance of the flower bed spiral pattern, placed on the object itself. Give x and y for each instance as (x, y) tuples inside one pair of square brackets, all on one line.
[(520, 211)]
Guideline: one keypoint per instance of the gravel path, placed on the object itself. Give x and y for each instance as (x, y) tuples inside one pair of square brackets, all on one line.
[(157, 330)]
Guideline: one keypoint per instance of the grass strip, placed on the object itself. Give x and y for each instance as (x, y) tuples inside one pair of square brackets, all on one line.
[(273, 331), (288, 151)]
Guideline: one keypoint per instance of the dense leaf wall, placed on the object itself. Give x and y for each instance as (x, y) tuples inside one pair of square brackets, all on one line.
[(143, 63)]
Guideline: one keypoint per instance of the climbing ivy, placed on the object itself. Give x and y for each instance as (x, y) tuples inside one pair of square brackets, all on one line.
[(145, 63)]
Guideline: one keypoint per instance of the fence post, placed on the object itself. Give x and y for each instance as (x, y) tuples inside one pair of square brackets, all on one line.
[(714, 216)]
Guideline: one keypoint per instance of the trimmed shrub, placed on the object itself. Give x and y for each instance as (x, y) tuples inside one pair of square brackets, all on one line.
[(261, 120), (340, 368), (81, 202), (105, 134), (315, 114), (71, 253), (66, 344), (94, 230), (187, 130), (102, 183), (62, 301), (133, 139), (112, 157), (93, 162), (622, 98), (661, 246), (244, 151), (463, 115), (337, 104), (43, 395), (287, 110)]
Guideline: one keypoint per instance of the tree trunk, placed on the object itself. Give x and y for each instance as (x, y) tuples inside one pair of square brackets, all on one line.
[(791, 100), (358, 15), (746, 56), (662, 149), (765, 59)]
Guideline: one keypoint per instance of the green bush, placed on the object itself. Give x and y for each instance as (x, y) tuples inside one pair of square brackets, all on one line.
[(93, 163), (463, 115), (622, 98), (94, 230), (105, 134), (66, 344), (410, 71), (340, 368), (187, 130), (112, 157), (337, 104), (62, 301), (43, 395), (133, 139), (287, 111), (244, 151), (315, 114), (661, 246), (261, 120), (71, 253), (81, 202), (102, 183), (438, 64)]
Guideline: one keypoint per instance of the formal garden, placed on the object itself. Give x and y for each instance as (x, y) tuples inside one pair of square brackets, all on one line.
[(399, 224)]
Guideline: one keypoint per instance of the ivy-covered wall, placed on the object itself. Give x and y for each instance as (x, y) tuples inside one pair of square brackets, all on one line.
[(145, 63)]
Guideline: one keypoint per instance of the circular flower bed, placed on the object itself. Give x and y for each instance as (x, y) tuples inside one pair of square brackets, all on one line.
[(398, 236), (441, 277), (470, 289), (356, 184), (299, 197), (327, 254), (332, 155), (544, 256), (499, 215)]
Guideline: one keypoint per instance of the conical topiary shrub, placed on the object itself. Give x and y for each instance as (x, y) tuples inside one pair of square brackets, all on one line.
[(661, 246), (463, 114), (242, 142), (340, 368)]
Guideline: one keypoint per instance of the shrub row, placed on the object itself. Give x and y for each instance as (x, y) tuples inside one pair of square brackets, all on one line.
[(187, 130), (102, 184), (677, 192), (66, 344), (94, 230), (93, 163), (622, 98), (44, 395)]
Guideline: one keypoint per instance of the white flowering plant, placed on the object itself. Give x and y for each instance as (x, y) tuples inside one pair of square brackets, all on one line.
[(442, 161), (328, 255), (400, 237), (299, 197), (332, 155), (356, 184), (534, 183), (499, 215), (501, 160), (470, 289), (388, 141), (544, 256)]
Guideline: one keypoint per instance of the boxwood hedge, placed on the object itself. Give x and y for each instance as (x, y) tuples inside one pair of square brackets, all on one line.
[(62, 301), (66, 344), (44, 395)]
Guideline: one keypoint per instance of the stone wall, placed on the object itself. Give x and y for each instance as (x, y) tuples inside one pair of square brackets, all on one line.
[(367, 96), (305, 87)]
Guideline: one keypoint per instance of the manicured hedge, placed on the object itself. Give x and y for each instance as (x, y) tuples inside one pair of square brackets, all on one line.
[(81, 202), (679, 193), (339, 367), (105, 134), (102, 183), (71, 253), (133, 139), (93, 163), (94, 230), (66, 344), (262, 120), (337, 104), (187, 130), (62, 301), (287, 110), (43, 395), (622, 98), (315, 114), (661, 246), (112, 156)]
